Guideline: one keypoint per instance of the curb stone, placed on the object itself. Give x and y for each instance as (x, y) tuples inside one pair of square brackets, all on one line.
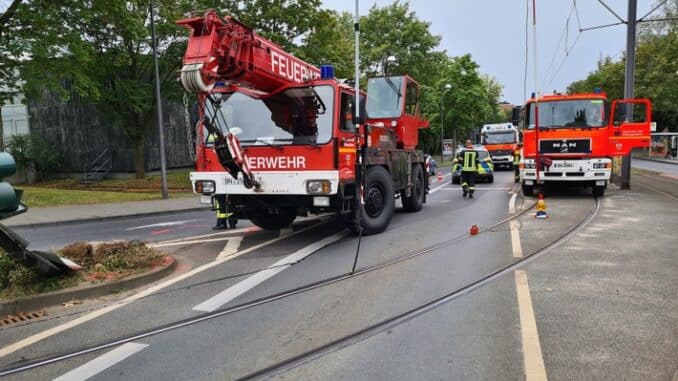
[(104, 218), (50, 299)]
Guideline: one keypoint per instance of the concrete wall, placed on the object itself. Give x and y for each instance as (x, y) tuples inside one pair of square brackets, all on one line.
[(81, 134)]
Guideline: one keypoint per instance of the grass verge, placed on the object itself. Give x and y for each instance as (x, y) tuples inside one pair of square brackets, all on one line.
[(72, 191), (105, 262)]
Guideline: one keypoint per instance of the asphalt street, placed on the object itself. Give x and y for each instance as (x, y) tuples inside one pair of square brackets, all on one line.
[(489, 333), (149, 229)]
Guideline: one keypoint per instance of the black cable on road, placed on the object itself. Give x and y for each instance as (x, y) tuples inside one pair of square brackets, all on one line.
[(413, 313), (27, 365)]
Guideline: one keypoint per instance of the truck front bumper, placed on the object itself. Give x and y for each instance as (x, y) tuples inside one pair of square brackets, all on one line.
[(597, 171)]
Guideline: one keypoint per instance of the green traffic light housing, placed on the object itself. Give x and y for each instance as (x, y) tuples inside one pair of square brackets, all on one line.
[(10, 198)]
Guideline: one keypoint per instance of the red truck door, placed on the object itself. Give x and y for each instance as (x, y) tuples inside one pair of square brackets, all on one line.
[(629, 131)]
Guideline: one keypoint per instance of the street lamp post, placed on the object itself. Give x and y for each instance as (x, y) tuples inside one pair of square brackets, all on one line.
[(442, 122)]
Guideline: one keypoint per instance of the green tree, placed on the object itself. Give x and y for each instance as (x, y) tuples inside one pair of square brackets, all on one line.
[(471, 101), (100, 52), (9, 78), (331, 41), (281, 21), (396, 31)]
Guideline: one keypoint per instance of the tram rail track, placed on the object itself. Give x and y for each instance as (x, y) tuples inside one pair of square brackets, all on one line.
[(339, 343)]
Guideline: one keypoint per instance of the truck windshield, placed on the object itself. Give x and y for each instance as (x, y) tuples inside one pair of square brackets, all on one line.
[(503, 137), (297, 115), (569, 113), (384, 97)]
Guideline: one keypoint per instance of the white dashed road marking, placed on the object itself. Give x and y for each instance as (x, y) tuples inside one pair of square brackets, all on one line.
[(242, 287), (102, 362)]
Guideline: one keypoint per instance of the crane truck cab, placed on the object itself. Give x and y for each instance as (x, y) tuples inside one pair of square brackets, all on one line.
[(501, 141), (573, 138)]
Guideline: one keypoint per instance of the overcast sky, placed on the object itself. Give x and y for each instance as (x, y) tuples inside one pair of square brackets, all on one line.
[(493, 32)]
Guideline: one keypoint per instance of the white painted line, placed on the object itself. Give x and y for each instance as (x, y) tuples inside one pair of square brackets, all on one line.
[(242, 287), (102, 362), (476, 188), (286, 231), (512, 203), (434, 190), (4, 351), (248, 229), (189, 242), (532, 357), (162, 224), (516, 247), (232, 247)]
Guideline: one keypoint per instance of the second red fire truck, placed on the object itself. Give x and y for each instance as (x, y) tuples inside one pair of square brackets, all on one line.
[(573, 138)]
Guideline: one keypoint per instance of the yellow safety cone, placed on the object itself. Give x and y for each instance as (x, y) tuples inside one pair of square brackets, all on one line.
[(541, 208)]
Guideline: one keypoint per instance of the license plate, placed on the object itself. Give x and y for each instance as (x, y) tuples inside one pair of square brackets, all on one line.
[(600, 182), (563, 164), (231, 181), (205, 199)]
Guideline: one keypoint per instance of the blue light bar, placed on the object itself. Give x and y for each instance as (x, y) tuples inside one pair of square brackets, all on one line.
[(597, 90), (326, 71)]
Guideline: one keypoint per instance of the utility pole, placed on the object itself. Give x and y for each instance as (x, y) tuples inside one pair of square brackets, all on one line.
[(625, 182), (161, 134), (442, 123)]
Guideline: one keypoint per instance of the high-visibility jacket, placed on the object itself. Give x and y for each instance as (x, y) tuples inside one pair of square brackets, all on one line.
[(469, 161), (516, 157)]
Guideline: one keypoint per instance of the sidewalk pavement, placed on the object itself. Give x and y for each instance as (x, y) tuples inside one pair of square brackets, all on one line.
[(94, 212), (657, 159)]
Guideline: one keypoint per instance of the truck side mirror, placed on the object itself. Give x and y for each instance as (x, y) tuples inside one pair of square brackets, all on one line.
[(515, 115), (359, 119)]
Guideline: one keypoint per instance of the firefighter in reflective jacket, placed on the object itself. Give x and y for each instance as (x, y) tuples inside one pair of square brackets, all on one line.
[(516, 163), (220, 204), (468, 159)]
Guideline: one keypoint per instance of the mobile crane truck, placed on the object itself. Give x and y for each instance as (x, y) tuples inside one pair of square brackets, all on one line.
[(281, 137), (573, 138)]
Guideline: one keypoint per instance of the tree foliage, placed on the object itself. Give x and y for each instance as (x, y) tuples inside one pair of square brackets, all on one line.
[(656, 71), (100, 52), (331, 41)]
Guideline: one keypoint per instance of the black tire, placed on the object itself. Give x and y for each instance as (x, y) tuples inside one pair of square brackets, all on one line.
[(528, 190), (490, 179), (271, 221), (598, 191), (379, 205), (416, 199)]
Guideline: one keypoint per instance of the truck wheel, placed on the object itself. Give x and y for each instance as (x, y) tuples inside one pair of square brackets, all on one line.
[(598, 191), (490, 179), (528, 190), (377, 212), (271, 221), (416, 199)]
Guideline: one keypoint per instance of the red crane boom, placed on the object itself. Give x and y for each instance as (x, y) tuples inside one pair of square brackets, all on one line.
[(228, 50)]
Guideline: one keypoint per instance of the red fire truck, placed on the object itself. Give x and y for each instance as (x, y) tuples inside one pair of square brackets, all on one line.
[(281, 137), (573, 138), (501, 141)]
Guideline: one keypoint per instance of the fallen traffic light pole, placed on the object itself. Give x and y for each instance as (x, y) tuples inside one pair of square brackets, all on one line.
[(15, 246)]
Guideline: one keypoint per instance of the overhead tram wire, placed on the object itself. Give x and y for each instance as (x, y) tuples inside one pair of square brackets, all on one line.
[(563, 34), (568, 49)]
